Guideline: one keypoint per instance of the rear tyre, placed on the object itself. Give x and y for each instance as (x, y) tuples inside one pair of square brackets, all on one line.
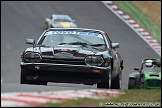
[(131, 83)]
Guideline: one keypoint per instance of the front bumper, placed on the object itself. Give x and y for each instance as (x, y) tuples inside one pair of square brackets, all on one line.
[(64, 72), (152, 84)]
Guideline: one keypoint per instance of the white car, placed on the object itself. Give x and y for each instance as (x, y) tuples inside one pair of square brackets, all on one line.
[(59, 21)]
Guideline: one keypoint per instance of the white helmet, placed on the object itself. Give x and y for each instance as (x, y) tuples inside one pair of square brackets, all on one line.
[(149, 63)]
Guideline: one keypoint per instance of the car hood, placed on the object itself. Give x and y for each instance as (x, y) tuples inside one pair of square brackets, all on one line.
[(64, 24), (66, 51)]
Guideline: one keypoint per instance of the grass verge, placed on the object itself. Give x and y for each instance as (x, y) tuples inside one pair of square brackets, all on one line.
[(138, 96), (142, 19)]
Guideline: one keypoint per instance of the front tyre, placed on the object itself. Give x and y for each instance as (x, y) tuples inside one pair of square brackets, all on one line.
[(131, 83), (116, 83), (106, 81)]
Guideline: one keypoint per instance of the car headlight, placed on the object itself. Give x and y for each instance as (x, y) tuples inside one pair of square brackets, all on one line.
[(32, 57), (94, 60)]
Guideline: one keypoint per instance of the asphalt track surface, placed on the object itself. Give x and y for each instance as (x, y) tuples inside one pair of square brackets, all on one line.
[(24, 19)]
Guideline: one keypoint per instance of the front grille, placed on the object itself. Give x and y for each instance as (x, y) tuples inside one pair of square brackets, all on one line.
[(153, 75), (153, 83), (64, 61)]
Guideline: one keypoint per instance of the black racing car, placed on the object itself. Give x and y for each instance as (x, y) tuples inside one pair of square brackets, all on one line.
[(72, 55)]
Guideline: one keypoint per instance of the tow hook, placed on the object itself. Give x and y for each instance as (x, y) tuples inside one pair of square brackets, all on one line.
[(35, 77)]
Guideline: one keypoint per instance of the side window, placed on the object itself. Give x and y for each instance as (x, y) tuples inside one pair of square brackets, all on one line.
[(108, 40)]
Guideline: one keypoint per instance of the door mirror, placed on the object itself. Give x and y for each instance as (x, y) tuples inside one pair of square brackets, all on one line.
[(115, 45), (30, 41), (136, 68)]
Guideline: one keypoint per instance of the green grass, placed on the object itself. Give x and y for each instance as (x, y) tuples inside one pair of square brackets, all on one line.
[(139, 95), (143, 20)]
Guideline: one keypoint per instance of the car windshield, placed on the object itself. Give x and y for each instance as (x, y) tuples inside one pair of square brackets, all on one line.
[(51, 38), (63, 20)]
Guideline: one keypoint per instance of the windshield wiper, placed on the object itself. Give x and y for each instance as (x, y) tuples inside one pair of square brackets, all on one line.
[(63, 43), (97, 44), (75, 43)]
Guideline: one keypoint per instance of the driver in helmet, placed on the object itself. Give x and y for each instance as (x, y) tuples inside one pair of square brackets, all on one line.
[(148, 63)]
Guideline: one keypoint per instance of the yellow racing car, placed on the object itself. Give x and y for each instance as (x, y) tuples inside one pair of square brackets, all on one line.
[(59, 21)]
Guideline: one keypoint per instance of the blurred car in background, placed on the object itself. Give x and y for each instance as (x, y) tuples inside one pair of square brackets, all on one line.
[(59, 21)]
